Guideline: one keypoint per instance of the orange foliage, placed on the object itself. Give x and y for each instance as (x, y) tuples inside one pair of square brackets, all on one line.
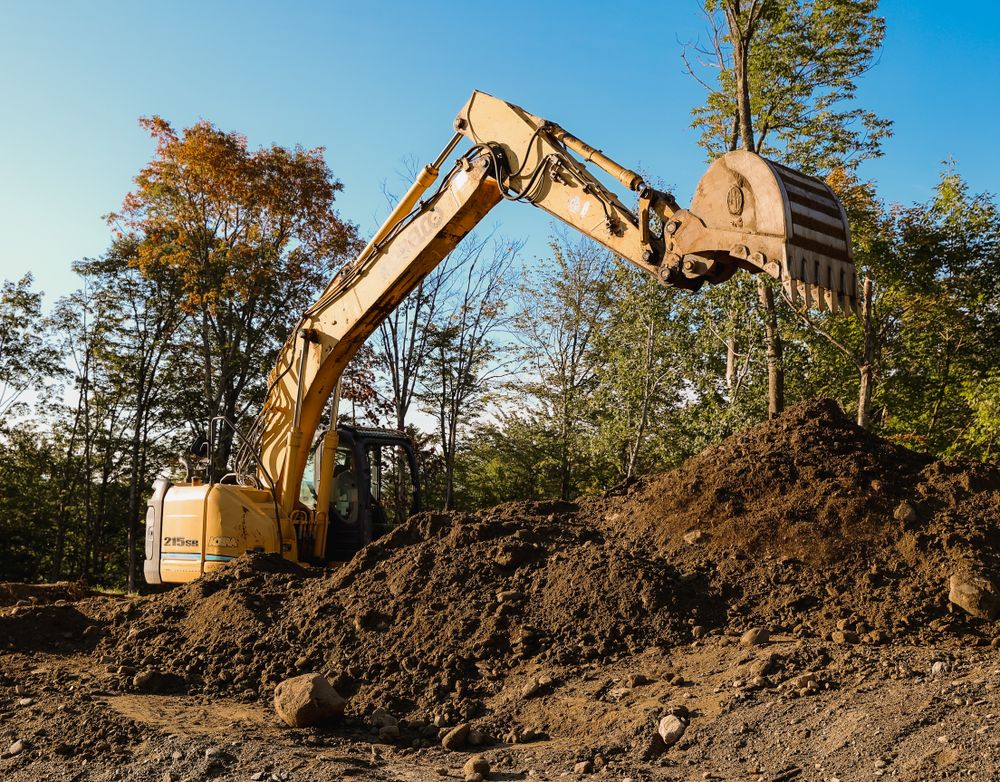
[(232, 223)]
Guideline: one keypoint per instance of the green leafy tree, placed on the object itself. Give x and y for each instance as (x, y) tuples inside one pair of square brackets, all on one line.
[(561, 314), (781, 79), (27, 358)]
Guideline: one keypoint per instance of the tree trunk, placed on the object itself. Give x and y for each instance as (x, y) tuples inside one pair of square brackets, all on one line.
[(731, 366), (647, 395), (741, 40), (135, 478), (775, 367), (867, 385)]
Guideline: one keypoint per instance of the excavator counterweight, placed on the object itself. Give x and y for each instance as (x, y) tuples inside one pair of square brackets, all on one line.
[(314, 499)]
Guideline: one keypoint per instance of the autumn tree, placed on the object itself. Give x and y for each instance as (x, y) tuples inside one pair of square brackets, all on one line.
[(250, 234)]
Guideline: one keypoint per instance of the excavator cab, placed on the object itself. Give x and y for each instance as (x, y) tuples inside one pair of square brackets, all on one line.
[(376, 487)]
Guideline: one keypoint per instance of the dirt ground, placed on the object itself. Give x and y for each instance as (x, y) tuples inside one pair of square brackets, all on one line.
[(801, 601)]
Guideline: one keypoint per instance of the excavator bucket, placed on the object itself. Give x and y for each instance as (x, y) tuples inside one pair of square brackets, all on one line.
[(755, 214)]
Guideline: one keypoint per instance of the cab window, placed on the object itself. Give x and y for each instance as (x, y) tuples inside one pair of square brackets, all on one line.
[(307, 490), (391, 483), (344, 497)]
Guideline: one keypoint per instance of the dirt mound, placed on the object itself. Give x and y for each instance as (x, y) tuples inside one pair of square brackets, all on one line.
[(428, 619), (808, 518), (804, 524), (56, 627), (14, 593)]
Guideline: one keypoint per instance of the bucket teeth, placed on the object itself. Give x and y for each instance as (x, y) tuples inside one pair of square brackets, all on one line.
[(824, 284)]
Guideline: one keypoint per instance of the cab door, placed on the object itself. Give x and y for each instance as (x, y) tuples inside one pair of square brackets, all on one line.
[(350, 522)]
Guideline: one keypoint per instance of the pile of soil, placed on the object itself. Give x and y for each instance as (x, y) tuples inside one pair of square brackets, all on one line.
[(16, 593), (805, 524), (807, 520), (428, 619)]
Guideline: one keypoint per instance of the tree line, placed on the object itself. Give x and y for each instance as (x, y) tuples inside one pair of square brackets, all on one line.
[(517, 377)]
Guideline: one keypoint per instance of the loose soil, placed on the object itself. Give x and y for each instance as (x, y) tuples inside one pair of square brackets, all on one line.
[(563, 632)]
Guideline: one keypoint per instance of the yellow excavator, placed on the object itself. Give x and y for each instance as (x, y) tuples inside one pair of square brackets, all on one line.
[(316, 498)]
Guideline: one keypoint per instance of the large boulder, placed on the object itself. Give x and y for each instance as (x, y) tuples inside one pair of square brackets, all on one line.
[(976, 594), (306, 700)]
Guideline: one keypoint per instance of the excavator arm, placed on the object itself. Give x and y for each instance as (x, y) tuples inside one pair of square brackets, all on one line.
[(747, 213)]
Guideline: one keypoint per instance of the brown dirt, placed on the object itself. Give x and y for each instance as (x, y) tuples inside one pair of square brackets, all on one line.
[(453, 616), (800, 525), (15, 593)]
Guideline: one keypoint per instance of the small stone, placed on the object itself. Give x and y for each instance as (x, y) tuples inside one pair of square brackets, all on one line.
[(530, 689), (388, 732), (755, 636), (25, 701), (535, 686), (212, 752), (939, 668), (583, 767), (698, 631), (637, 680), (695, 536), (877, 637), (456, 737), (152, 680), (905, 513), (305, 700), (477, 764), (804, 683), (845, 637), (260, 776), (671, 728), (381, 718), (510, 596), (764, 665), (976, 594), (20, 689), (17, 748), (177, 754)]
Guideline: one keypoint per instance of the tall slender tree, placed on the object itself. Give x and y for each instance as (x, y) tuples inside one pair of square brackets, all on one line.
[(781, 77)]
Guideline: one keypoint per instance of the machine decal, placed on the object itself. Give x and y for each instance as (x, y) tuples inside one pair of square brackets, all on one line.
[(181, 542)]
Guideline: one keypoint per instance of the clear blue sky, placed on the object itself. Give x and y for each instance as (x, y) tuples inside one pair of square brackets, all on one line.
[(374, 82)]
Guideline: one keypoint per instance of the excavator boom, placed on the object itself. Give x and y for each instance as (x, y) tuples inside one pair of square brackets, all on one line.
[(747, 213)]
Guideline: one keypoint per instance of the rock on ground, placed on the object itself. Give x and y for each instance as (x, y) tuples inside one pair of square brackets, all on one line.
[(671, 728), (306, 700), (456, 737), (976, 594)]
